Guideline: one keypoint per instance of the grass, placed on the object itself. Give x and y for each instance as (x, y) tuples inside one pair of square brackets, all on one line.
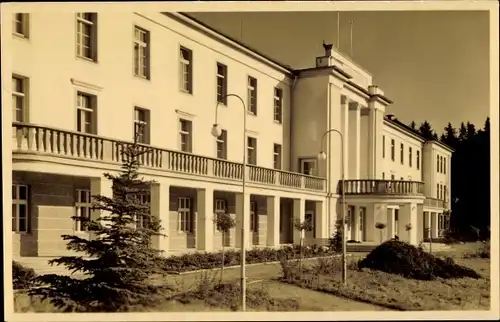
[(400, 293), (265, 294)]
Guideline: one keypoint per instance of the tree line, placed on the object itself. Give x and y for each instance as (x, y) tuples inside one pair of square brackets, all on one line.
[(470, 175)]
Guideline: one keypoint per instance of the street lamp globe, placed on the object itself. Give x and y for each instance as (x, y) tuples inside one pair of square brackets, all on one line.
[(322, 155), (216, 130)]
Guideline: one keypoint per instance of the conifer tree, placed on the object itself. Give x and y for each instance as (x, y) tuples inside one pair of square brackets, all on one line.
[(121, 259)]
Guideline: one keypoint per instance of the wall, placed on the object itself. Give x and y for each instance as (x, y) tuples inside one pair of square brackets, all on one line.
[(431, 175), (52, 204), (395, 167), (309, 121), (51, 51)]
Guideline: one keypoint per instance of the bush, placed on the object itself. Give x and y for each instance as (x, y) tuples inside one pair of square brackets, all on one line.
[(198, 261), (22, 277), (227, 295), (482, 252), (397, 257)]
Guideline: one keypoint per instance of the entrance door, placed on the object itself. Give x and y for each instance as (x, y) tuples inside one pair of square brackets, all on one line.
[(308, 167), (396, 222), (349, 221), (362, 220)]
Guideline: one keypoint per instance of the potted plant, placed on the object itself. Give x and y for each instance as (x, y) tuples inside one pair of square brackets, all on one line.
[(380, 226)]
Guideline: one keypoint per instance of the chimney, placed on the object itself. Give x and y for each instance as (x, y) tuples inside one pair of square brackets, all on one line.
[(325, 60), (374, 90)]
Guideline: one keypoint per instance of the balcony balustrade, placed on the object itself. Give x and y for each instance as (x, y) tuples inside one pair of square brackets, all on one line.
[(434, 202), (383, 187), (30, 138)]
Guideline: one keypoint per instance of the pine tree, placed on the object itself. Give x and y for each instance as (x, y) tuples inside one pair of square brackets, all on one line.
[(121, 258), (450, 136), (462, 132), (426, 131), (471, 130)]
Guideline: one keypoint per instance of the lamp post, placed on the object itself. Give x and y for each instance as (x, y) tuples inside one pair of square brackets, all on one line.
[(322, 156), (216, 132)]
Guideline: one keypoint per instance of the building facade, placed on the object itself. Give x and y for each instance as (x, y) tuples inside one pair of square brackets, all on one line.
[(79, 92)]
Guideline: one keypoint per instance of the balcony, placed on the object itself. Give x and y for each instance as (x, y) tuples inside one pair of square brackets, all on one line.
[(40, 140), (434, 202), (383, 187)]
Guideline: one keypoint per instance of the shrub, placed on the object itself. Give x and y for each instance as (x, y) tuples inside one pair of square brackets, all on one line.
[(335, 242), (22, 277), (482, 252), (227, 295), (397, 257), (197, 261)]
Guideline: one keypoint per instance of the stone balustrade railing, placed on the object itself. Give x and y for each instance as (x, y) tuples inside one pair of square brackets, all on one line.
[(44, 140), (434, 202), (383, 187)]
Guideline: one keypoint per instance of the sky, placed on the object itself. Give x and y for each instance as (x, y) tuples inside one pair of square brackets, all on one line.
[(434, 65)]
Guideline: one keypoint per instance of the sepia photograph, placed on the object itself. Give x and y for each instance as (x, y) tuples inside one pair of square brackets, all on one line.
[(251, 159)]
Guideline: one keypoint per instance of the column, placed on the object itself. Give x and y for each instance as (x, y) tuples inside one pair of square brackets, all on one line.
[(299, 210), (408, 215), (376, 119), (273, 221), (344, 107), (321, 223), (370, 223), (242, 214), (160, 202), (390, 222), (103, 187), (204, 222), (355, 224), (434, 225), (354, 141)]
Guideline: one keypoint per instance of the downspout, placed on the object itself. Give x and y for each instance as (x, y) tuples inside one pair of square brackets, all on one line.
[(292, 108), (329, 158)]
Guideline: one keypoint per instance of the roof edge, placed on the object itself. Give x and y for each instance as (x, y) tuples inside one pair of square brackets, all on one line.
[(196, 24)]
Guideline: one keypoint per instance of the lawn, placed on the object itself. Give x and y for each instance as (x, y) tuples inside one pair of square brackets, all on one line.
[(400, 293), (261, 283)]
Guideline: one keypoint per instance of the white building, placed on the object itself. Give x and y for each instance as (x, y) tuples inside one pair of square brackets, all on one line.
[(79, 86)]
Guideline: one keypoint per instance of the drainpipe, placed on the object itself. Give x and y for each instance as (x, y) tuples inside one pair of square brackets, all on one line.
[(329, 166), (292, 106)]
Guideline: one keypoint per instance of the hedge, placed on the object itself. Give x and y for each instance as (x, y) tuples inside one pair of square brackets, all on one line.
[(199, 261)]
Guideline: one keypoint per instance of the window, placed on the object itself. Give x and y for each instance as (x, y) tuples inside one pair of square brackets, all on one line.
[(418, 159), (410, 157), (141, 125), (393, 177), (19, 98), (83, 206), (278, 104), (86, 35), (221, 83), (141, 53), (444, 165), (252, 95), (254, 217), (186, 135), (438, 191), (252, 150), (309, 218), (277, 156), (393, 152), (402, 153), (20, 211), (222, 145), (383, 146), (220, 209), (383, 175), (186, 70), (86, 113), (185, 218), (142, 221), (445, 195), (308, 167), (20, 25), (438, 165)]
